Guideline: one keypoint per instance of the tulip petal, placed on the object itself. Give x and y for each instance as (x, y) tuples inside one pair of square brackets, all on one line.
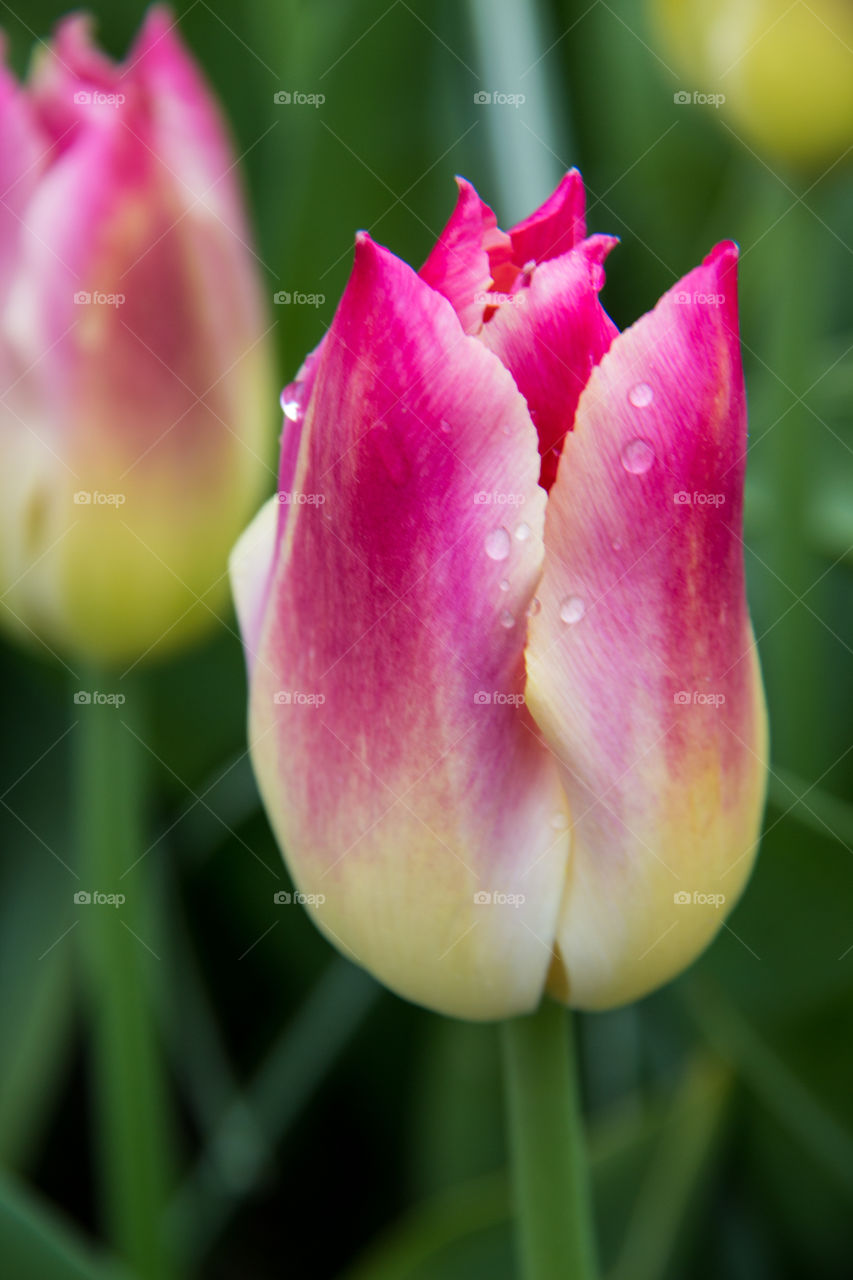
[(22, 158), (643, 674), (189, 132), (402, 773), (550, 333), (460, 265), (555, 227), (250, 567)]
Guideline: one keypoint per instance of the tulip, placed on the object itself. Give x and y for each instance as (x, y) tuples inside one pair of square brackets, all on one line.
[(785, 69), (133, 348), (505, 708)]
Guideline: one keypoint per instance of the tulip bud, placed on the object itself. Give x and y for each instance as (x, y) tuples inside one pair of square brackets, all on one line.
[(132, 346), (786, 69), (505, 709)]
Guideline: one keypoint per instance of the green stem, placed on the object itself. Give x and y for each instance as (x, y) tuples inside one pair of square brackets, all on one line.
[(129, 1090), (550, 1180)]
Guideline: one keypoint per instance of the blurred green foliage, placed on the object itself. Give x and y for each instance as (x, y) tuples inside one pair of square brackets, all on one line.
[(326, 1128)]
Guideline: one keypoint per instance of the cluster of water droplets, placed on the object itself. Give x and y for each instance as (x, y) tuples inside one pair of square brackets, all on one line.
[(637, 458)]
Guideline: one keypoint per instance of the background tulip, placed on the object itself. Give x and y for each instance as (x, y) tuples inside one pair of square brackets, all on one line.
[(132, 344), (501, 736)]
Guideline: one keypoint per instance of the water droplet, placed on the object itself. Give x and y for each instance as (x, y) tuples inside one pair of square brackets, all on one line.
[(529, 266), (444, 427), (522, 532), (617, 544), (506, 619), (291, 409), (534, 607), (504, 584), (497, 544), (572, 609), (506, 429), (637, 457), (559, 822), (641, 395)]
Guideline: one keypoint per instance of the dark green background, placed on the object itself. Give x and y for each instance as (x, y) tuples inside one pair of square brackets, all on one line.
[(362, 1132)]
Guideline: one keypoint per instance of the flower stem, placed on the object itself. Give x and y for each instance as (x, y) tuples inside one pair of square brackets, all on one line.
[(549, 1165), (129, 1094)]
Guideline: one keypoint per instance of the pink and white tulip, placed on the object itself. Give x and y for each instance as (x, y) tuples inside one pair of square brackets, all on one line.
[(135, 367), (505, 708)]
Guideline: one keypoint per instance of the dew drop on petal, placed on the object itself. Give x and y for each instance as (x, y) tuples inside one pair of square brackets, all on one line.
[(497, 544), (522, 532), (617, 545), (291, 409), (504, 584), (506, 619), (641, 395), (534, 607), (444, 427), (637, 457), (572, 609)]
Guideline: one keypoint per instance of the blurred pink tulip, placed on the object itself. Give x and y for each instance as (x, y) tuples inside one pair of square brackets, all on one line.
[(134, 359), (506, 712)]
